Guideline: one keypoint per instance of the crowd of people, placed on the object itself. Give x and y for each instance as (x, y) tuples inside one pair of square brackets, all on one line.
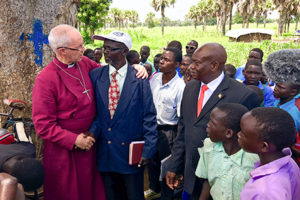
[(209, 130)]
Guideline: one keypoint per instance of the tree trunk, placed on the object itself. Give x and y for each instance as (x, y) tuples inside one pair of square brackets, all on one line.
[(195, 25), (248, 19), (244, 21), (281, 22), (24, 48), (257, 20), (230, 15), (296, 20), (288, 25), (204, 23), (162, 20), (265, 18)]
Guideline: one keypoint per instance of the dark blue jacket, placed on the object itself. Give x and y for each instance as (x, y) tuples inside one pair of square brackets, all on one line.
[(134, 120)]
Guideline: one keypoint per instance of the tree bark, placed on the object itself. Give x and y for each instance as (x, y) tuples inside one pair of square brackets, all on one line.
[(162, 20), (24, 30), (204, 23), (296, 20), (230, 16)]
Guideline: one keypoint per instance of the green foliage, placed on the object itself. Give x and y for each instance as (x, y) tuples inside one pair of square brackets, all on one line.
[(150, 20), (91, 16)]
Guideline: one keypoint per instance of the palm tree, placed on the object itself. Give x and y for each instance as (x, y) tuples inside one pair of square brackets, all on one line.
[(134, 17), (161, 5), (205, 9), (116, 14), (267, 7), (246, 9), (150, 20), (193, 14), (282, 6), (231, 4)]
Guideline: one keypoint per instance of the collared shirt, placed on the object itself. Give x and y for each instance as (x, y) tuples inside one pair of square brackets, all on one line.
[(239, 76), (167, 98), (226, 174), (212, 86), (121, 75), (291, 108), (277, 180)]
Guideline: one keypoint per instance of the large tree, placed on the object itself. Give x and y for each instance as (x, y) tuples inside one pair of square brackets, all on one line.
[(162, 5), (24, 49), (150, 20), (205, 9), (91, 16), (282, 6), (193, 14), (246, 10)]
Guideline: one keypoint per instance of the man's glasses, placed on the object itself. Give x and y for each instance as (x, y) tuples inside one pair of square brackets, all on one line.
[(72, 49), (112, 49), (190, 47)]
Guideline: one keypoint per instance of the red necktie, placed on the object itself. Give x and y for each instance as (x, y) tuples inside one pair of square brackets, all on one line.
[(113, 95), (200, 100)]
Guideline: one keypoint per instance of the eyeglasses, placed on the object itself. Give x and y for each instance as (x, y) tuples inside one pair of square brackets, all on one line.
[(190, 47), (72, 49), (112, 49)]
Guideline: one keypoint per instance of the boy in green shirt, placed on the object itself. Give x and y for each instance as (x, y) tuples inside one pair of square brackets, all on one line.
[(223, 164)]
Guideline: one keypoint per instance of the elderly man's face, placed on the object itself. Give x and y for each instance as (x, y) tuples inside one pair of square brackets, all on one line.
[(74, 51), (113, 51), (201, 65)]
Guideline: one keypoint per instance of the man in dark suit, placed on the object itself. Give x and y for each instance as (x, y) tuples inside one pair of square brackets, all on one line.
[(125, 113), (209, 88)]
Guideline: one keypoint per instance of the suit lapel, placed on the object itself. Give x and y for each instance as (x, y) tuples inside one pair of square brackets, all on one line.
[(214, 98), (194, 97), (103, 85), (129, 87)]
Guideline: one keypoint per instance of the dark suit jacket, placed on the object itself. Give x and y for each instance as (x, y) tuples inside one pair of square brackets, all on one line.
[(192, 130), (134, 120)]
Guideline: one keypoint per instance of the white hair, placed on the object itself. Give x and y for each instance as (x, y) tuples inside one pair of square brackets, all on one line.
[(59, 36)]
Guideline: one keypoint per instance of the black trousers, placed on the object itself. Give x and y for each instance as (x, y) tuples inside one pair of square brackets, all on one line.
[(166, 137), (123, 186)]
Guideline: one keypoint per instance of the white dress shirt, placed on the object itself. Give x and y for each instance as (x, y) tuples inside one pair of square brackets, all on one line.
[(121, 75), (167, 98), (212, 86)]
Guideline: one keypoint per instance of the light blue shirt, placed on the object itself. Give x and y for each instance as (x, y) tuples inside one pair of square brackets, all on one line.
[(226, 174), (167, 98), (121, 75)]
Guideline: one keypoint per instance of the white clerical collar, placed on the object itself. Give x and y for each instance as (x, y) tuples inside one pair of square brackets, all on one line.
[(71, 65)]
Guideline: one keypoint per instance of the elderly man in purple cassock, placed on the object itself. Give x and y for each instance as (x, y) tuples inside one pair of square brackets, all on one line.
[(63, 110)]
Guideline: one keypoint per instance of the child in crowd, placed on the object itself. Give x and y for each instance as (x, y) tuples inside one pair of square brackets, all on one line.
[(145, 53), (230, 70), (156, 61), (185, 63), (267, 132), (133, 57), (98, 52), (284, 69), (89, 53), (223, 164), (148, 67), (253, 73)]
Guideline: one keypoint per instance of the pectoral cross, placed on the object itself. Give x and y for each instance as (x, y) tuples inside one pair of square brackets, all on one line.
[(86, 92)]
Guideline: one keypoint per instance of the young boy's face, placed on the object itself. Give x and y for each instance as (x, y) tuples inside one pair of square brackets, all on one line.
[(248, 137), (144, 55), (283, 90), (167, 62), (216, 128), (252, 74), (148, 67)]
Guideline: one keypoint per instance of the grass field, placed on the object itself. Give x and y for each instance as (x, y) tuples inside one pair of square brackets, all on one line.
[(237, 51)]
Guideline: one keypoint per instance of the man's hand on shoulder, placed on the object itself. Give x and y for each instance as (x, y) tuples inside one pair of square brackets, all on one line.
[(142, 72)]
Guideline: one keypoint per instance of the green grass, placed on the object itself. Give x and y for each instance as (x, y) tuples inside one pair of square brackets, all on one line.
[(237, 51)]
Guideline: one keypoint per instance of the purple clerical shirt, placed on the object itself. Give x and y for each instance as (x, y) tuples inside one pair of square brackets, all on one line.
[(277, 180)]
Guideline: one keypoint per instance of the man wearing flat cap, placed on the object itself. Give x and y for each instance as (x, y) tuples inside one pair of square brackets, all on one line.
[(125, 113)]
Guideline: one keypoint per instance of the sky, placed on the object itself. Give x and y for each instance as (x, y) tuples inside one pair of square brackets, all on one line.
[(143, 7)]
